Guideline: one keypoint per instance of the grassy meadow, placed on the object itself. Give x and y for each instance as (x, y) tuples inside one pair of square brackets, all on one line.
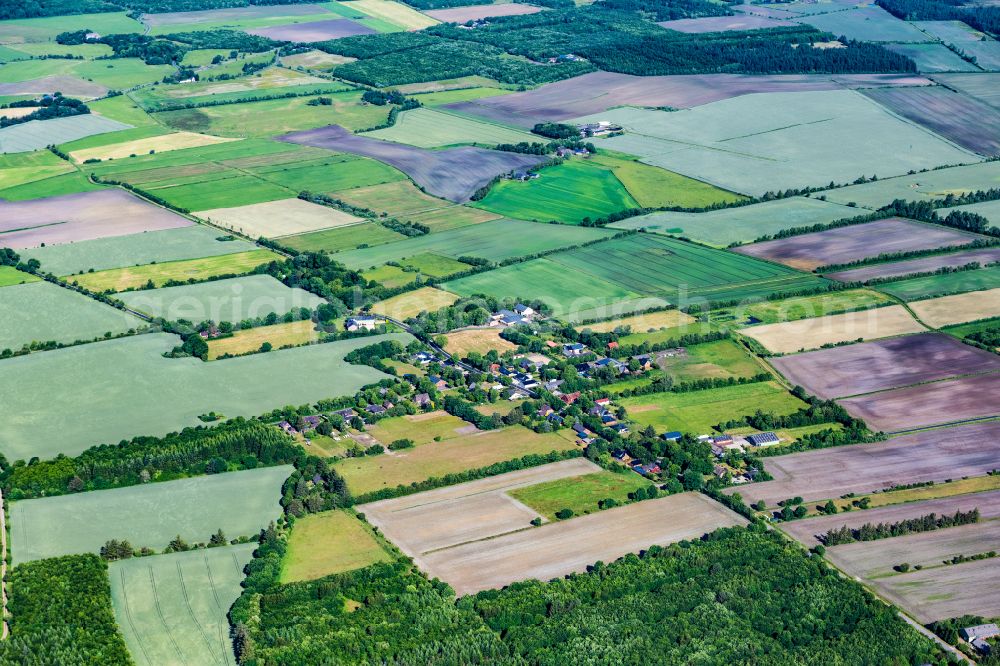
[(328, 543), (580, 494)]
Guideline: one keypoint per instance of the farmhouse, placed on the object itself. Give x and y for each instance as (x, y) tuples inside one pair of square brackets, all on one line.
[(346, 414), (422, 400), (359, 323), (437, 382), (287, 427), (977, 635), (570, 398), (762, 439), (574, 349), (672, 436)]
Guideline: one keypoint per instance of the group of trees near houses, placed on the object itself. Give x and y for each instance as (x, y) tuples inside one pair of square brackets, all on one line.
[(738, 595), (873, 531)]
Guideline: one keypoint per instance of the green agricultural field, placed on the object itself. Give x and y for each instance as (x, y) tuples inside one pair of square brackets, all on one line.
[(421, 428), (988, 209), (428, 128), (120, 73), (20, 168), (273, 117), (238, 190), (963, 330), (291, 333), (136, 277), (802, 307), (939, 285), (653, 187), (173, 608), (46, 29), (10, 276), (496, 241), (139, 392), (442, 97), (935, 184), (123, 109), (43, 312), (238, 503), (343, 238), (329, 173), (568, 192), (221, 300), (720, 359), (112, 138), (202, 57), (327, 543), (580, 493), (68, 183), (371, 473), (433, 265), (88, 51), (664, 334), (698, 412), (743, 224), (192, 242), (399, 199)]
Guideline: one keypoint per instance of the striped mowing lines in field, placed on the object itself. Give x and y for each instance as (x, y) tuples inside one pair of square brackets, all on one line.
[(172, 608)]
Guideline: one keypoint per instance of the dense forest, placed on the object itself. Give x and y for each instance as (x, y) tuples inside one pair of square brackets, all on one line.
[(985, 18), (48, 107), (61, 615), (737, 596)]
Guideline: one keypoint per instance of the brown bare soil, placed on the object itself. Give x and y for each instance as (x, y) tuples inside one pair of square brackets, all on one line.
[(792, 336), (934, 594), (933, 455), (884, 364)]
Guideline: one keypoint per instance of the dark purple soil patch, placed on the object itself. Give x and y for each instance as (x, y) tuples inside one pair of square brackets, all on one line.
[(454, 174), (884, 364), (473, 12), (78, 217), (962, 119), (950, 401), (925, 265), (724, 23), (317, 31), (859, 241), (231, 14), (67, 85), (934, 455), (599, 91)]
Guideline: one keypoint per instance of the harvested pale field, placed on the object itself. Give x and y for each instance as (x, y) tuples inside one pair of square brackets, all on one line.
[(315, 60), (859, 241), (868, 23), (932, 455), (885, 364), (269, 79), (960, 118), (807, 531), (923, 265), (956, 309), (17, 112), (599, 91), (292, 334), (157, 144), (792, 336), (78, 217), (949, 401), (395, 13), (724, 23), (641, 323), (46, 85), (232, 300), (479, 340), (454, 174), (473, 12), (158, 274), (465, 512), (972, 588), (274, 219), (315, 31), (558, 549), (37, 134), (412, 303)]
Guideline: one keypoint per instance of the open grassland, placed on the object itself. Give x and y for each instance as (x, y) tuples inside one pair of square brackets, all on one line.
[(10, 276), (36, 134), (767, 142), (950, 283), (371, 473), (78, 76), (884, 364), (988, 209), (43, 312), (803, 307), (398, 198), (958, 309), (68, 183), (327, 543), (934, 184), (698, 412), (46, 29), (496, 241), (238, 503), (428, 128), (964, 330), (580, 494), (231, 300), (157, 144), (721, 358), (329, 173), (137, 277), (860, 241), (339, 239), (479, 340), (661, 335), (172, 608), (931, 455), (410, 269), (143, 393), (936, 403), (937, 594), (292, 334), (317, 60), (568, 192), (272, 117), (793, 336), (653, 187), (193, 242), (271, 78), (742, 224), (422, 428), (642, 322), (557, 549), (139, 133), (20, 168), (869, 23), (124, 110), (273, 219), (412, 303)]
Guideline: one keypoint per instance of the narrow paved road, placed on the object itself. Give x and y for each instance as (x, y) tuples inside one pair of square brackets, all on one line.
[(3, 569)]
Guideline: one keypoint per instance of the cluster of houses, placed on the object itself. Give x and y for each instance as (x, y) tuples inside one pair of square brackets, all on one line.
[(601, 128), (721, 444), (619, 367), (523, 175), (977, 636), (566, 57), (521, 314)]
